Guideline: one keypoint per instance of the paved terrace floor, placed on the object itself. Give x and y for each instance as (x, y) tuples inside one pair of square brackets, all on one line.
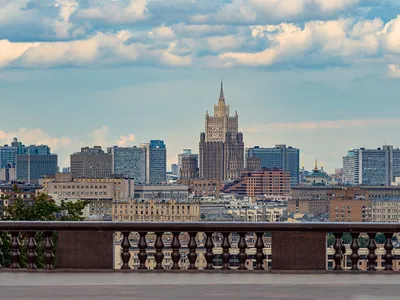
[(149, 286)]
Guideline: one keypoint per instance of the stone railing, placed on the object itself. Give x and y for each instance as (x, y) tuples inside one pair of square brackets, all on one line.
[(90, 245)]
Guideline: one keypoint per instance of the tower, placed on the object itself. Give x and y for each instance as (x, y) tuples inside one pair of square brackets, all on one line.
[(221, 145)]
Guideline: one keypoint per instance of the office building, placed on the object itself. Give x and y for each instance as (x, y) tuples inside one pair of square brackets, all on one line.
[(156, 162), (280, 157), (261, 183), (36, 162), (221, 155), (91, 163), (156, 210), (100, 192), (378, 166), (7, 156), (129, 162)]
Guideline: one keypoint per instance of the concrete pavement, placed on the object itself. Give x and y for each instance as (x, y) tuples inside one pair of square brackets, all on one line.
[(100, 286)]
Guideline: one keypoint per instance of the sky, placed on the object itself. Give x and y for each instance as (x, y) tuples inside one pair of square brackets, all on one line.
[(319, 75)]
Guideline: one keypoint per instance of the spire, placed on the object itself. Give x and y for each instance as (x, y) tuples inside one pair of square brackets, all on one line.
[(221, 93), (316, 165)]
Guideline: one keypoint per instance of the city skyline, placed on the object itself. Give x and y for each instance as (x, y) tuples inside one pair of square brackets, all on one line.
[(77, 73)]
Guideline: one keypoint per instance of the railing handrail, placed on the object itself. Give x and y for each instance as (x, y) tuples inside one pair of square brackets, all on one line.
[(196, 226)]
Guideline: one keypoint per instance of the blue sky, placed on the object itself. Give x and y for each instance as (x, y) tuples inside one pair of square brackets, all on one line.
[(319, 75)]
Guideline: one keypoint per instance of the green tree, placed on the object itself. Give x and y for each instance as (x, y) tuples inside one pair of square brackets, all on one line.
[(40, 208)]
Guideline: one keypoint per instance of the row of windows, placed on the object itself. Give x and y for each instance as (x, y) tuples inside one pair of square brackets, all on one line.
[(81, 193), (80, 187)]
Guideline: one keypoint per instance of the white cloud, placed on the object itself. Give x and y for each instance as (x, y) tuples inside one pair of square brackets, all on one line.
[(125, 140), (261, 11), (93, 33), (100, 136), (394, 71), (332, 41), (35, 136), (116, 12), (162, 32)]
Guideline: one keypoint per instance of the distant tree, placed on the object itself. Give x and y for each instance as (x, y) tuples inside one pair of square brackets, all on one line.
[(40, 208)]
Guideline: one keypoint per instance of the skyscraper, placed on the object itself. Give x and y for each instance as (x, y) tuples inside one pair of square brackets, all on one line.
[(129, 162), (36, 162), (91, 163), (280, 157), (156, 161), (221, 146)]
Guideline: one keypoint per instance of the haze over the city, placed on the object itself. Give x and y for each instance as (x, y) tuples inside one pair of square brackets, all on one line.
[(322, 76)]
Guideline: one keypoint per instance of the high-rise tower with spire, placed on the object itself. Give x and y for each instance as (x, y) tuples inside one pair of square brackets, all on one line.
[(221, 144)]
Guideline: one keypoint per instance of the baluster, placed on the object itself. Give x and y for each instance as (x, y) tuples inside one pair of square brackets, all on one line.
[(1, 253), (242, 252), (260, 251), (176, 256), (355, 257), (31, 256), (159, 255), (209, 255), (125, 254), (225, 251), (192, 256), (15, 254), (337, 257), (142, 252), (371, 255), (388, 256), (48, 247)]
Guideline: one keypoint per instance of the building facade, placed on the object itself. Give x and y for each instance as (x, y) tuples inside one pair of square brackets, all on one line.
[(35, 163), (386, 210), (100, 192), (175, 169), (378, 166), (221, 147), (156, 210), (91, 163), (156, 162), (280, 157), (261, 183), (202, 187), (189, 168), (165, 191), (314, 207), (129, 162)]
